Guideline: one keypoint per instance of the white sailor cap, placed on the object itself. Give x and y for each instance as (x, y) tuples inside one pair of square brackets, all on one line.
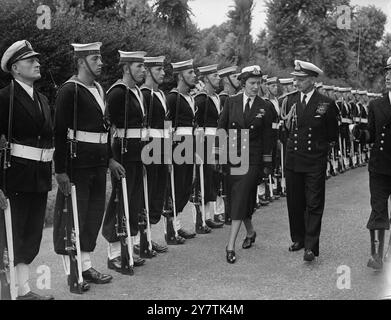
[(286, 81), (319, 85), (388, 66), (354, 91), (182, 66), (20, 50), (204, 71), (86, 49), (362, 92), (227, 71), (251, 71), (306, 69), (326, 87), (130, 57), (272, 80), (151, 62)]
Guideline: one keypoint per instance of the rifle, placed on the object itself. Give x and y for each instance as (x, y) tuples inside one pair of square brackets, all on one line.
[(146, 250), (72, 230), (123, 220), (8, 288)]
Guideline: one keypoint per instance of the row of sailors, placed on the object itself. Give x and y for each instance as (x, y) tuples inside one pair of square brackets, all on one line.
[(84, 148)]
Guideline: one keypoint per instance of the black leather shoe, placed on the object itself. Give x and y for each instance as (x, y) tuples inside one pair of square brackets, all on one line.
[(116, 265), (248, 242), (91, 275), (309, 255), (173, 241), (296, 246), (219, 218), (34, 296), (231, 258), (214, 225), (149, 255), (84, 286), (138, 262), (186, 234), (159, 248)]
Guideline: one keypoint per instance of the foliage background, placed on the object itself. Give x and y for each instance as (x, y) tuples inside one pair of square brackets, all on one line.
[(295, 29)]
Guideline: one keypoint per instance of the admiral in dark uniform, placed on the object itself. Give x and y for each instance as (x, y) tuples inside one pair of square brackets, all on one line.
[(247, 111), (379, 133), (312, 126), (29, 177), (83, 95), (132, 64)]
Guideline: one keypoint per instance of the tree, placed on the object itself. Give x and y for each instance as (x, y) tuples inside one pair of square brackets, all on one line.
[(307, 30), (367, 31), (241, 18), (175, 14)]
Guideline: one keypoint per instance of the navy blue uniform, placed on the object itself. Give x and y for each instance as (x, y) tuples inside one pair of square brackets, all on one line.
[(89, 168), (27, 181), (312, 130), (242, 188)]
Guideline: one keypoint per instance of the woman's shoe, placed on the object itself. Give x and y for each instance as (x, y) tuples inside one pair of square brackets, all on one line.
[(231, 258), (247, 243)]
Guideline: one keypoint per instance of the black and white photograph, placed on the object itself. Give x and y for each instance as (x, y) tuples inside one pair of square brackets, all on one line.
[(193, 156)]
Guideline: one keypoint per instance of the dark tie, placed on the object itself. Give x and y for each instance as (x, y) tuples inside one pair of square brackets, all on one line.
[(38, 104), (304, 103), (247, 109)]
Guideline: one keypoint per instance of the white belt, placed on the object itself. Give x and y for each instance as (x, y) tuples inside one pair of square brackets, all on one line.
[(356, 119), (90, 137), (31, 153), (184, 131), (210, 131), (347, 121), (364, 120), (142, 133), (275, 125)]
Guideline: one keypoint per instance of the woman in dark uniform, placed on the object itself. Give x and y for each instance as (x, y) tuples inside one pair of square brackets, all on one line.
[(247, 114)]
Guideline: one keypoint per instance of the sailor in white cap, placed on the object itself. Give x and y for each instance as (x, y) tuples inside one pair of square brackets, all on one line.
[(287, 85), (181, 112), (208, 112), (82, 120), (27, 149), (229, 77), (378, 133), (249, 116), (312, 126), (274, 191), (127, 110), (346, 120), (156, 104)]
